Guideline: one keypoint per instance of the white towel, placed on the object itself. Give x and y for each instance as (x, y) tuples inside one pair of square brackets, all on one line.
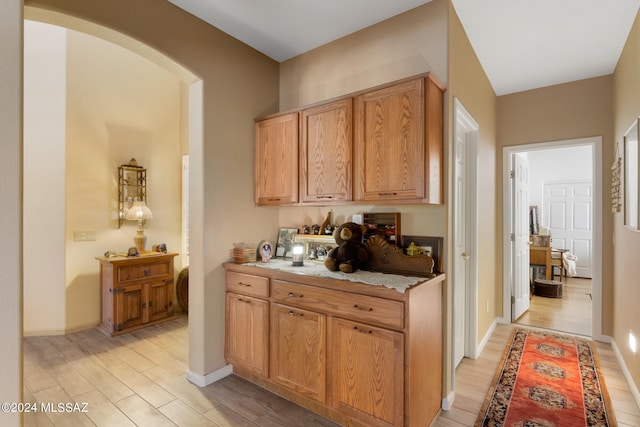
[(569, 261)]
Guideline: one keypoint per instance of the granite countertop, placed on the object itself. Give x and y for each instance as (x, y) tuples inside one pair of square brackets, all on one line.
[(394, 281)]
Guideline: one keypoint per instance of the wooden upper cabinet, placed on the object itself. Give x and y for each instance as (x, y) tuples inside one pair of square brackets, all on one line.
[(390, 152), (276, 160), (326, 147), (398, 143)]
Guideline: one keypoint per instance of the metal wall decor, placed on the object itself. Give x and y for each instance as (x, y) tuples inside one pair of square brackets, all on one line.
[(616, 205), (132, 186)]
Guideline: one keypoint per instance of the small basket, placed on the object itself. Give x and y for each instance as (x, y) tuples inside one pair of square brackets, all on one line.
[(182, 289)]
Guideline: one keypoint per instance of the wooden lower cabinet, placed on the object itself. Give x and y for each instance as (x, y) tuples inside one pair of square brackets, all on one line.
[(247, 332), (298, 342), (135, 292), (368, 372), (358, 354)]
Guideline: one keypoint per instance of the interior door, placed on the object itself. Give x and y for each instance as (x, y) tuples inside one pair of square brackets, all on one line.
[(520, 237), (567, 212), (460, 248)]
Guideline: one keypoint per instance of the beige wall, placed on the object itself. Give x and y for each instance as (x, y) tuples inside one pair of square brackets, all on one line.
[(45, 96), (626, 268), (568, 111), (239, 84), (11, 205), (470, 85)]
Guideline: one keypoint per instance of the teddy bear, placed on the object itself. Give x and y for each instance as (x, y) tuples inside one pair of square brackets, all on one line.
[(350, 254)]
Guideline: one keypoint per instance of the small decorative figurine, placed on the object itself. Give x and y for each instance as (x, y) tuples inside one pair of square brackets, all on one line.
[(306, 229), (265, 252), (315, 228), (161, 247), (413, 250)]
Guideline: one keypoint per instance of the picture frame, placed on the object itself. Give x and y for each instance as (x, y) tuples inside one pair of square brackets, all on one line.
[(316, 247), (430, 245), (284, 245)]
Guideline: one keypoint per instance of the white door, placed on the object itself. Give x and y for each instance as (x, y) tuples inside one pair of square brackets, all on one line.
[(520, 233), (567, 213)]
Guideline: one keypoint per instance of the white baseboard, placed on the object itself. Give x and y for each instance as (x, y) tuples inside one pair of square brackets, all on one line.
[(447, 401), (486, 337), (626, 373), (210, 378)]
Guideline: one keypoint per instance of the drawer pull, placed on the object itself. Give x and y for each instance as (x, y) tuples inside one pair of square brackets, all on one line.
[(362, 308), (147, 272), (244, 300), (292, 313), (273, 199), (388, 194), (355, 328), (291, 294), (248, 285)]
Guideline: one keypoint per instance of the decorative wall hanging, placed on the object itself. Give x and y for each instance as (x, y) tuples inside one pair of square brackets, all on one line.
[(616, 205)]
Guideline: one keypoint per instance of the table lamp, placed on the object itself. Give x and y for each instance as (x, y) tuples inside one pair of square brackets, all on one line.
[(140, 212)]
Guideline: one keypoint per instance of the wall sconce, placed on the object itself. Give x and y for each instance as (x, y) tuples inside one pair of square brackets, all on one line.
[(298, 254), (139, 212)]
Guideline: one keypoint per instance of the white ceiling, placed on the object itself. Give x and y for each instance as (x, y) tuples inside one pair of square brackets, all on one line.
[(521, 44)]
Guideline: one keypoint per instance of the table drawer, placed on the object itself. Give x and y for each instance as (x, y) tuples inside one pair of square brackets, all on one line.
[(156, 269), (374, 310), (247, 284)]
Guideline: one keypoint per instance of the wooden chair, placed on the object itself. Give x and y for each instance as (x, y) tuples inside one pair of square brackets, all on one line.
[(557, 260)]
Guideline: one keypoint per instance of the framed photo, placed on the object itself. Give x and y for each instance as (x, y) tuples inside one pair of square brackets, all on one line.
[(431, 246), (316, 247), (286, 237)]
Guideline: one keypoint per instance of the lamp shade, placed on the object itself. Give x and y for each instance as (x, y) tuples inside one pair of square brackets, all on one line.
[(139, 211)]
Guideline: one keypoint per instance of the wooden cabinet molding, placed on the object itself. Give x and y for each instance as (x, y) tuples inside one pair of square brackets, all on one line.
[(381, 145), (135, 292), (361, 355)]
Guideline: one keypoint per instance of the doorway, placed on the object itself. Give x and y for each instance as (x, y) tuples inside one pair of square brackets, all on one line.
[(553, 214)]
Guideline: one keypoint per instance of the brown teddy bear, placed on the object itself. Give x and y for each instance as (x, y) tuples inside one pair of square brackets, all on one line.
[(350, 254)]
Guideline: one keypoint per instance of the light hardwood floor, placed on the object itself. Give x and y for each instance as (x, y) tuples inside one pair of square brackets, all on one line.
[(571, 313), (138, 379)]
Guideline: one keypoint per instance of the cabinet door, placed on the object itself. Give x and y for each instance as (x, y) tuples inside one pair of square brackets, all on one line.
[(247, 333), (276, 162), (298, 358), (160, 302), (325, 152), (129, 306), (367, 372), (390, 148)]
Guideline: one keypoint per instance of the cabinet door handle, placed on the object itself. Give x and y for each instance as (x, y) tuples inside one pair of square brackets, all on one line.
[(393, 193), (291, 294), (273, 199), (292, 313), (244, 300), (248, 285), (324, 197), (362, 331), (362, 308)]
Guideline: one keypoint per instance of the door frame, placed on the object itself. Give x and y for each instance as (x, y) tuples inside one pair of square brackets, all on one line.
[(464, 121), (596, 261)]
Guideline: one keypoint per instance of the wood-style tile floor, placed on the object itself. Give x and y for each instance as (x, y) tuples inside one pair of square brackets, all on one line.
[(138, 379)]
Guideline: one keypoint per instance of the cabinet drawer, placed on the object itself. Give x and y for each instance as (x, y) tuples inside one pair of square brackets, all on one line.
[(127, 273), (374, 310), (247, 284), (156, 269)]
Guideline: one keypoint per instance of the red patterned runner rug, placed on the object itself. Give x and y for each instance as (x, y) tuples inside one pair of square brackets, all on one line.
[(547, 379)]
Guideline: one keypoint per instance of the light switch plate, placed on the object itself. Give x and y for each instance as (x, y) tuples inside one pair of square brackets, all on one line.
[(84, 235)]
